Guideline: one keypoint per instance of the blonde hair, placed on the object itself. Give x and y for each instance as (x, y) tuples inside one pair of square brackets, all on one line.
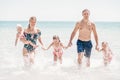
[(19, 26), (31, 18), (56, 37)]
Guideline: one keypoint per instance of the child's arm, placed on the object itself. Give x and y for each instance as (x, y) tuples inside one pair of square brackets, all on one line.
[(23, 38), (100, 50), (64, 47), (48, 47), (24, 41), (27, 42), (16, 40)]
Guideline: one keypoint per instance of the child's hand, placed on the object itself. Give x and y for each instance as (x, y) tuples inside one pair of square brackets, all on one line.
[(43, 48)]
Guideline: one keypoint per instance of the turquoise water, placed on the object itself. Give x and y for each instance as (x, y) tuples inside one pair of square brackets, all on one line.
[(57, 24)]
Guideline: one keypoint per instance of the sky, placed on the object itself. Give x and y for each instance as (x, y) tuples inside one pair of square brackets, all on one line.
[(59, 10)]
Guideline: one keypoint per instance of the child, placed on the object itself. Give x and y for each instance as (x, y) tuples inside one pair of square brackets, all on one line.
[(57, 46), (20, 36), (107, 53)]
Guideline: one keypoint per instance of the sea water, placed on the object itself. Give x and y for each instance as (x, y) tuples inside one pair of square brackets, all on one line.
[(11, 59)]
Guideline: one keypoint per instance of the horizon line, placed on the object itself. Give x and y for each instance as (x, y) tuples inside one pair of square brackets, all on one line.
[(56, 21)]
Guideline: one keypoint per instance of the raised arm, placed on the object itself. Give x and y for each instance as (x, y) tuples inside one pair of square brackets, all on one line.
[(95, 36), (73, 34)]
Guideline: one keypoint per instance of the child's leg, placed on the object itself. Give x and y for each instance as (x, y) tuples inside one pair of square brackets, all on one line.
[(55, 58), (60, 58), (28, 42), (105, 62), (110, 58)]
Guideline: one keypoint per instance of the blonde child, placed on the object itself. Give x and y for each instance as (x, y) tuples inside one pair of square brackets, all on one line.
[(20, 36), (57, 48), (107, 53)]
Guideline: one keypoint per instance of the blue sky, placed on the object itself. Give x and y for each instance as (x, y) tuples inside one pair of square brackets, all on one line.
[(59, 10)]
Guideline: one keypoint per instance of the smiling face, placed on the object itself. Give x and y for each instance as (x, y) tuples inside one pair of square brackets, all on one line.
[(104, 44), (19, 29), (56, 39), (32, 22)]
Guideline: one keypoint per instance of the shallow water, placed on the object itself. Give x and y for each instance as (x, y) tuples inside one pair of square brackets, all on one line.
[(12, 68)]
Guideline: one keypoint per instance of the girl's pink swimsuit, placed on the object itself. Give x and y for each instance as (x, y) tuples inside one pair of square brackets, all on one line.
[(58, 51), (108, 55)]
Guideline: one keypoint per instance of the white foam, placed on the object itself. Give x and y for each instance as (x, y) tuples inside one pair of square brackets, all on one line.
[(12, 68)]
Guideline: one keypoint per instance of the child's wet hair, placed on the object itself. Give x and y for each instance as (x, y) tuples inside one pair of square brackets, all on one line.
[(56, 37), (104, 42)]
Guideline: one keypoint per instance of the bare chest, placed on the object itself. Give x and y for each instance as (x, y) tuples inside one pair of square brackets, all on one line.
[(85, 27)]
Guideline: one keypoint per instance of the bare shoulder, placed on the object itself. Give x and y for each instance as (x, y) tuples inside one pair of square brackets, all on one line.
[(78, 24), (92, 25)]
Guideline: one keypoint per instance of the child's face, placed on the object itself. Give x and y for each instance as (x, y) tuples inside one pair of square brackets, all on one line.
[(56, 40), (104, 45), (19, 29)]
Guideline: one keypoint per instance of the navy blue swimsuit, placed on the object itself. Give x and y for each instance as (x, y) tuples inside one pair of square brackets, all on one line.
[(84, 46), (33, 38)]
